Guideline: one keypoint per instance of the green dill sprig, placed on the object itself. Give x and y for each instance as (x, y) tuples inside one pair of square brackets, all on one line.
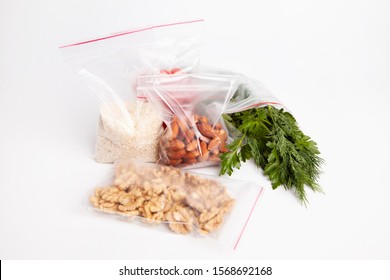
[(272, 138)]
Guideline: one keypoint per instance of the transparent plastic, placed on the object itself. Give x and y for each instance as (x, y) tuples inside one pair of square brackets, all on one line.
[(250, 93), (109, 66), (184, 202), (191, 106)]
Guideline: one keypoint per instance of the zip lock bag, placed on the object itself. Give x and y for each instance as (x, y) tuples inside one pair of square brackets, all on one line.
[(184, 202), (249, 93), (192, 105), (265, 130), (109, 66)]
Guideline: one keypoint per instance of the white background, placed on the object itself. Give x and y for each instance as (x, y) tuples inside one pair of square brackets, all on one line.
[(329, 61)]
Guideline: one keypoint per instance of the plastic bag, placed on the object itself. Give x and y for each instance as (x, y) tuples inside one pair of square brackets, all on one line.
[(109, 65), (186, 202), (191, 106), (250, 93)]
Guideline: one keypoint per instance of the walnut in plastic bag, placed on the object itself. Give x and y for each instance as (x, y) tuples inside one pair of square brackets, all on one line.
[(165, 194)]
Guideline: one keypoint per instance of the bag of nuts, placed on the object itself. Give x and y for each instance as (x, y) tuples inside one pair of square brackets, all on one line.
[(191, 106), (186, 202)]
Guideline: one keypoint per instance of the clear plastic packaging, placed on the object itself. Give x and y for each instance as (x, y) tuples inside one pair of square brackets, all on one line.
[(185, 202), (191, 106), (109, 66), (250, 93)]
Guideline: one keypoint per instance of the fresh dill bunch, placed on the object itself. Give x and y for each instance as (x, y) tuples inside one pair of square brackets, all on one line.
[(273, 139)]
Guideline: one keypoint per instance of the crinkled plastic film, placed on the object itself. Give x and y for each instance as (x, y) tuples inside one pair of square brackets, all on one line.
[(179, 201), (191, 106), (250, 93), (109, 66)]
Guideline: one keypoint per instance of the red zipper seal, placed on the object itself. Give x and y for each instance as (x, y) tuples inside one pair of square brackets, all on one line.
[(129, 32), (247, 220)]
